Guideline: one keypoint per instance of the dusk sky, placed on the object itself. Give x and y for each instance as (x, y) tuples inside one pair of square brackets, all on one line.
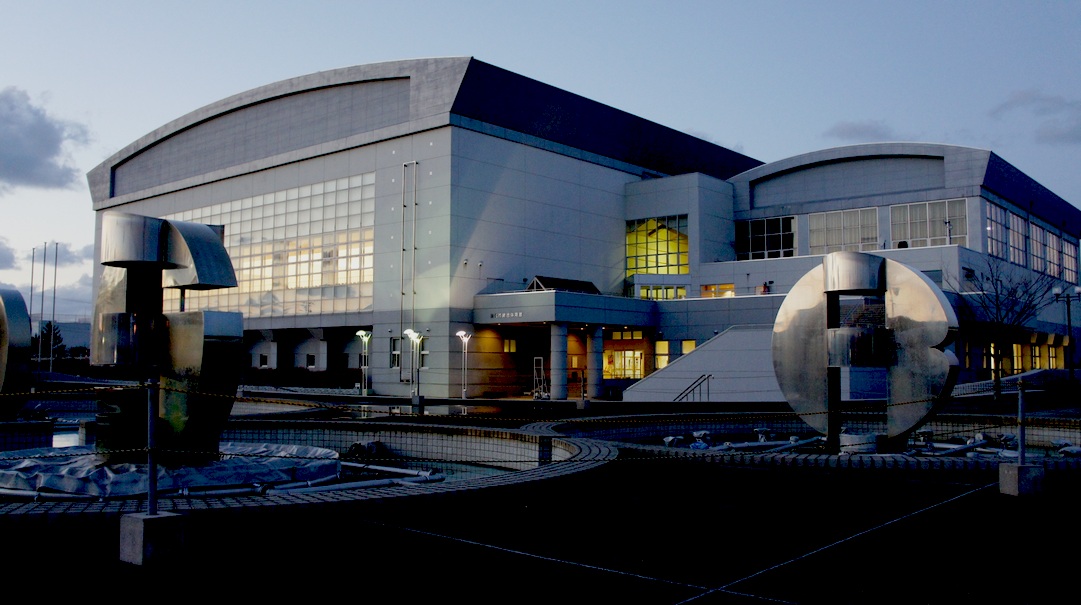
[(81, 80)]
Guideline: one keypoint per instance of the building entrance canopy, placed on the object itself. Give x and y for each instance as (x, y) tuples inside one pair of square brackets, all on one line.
[(563, 307)]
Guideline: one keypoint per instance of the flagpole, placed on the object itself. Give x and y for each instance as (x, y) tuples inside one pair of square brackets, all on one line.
[(52, 323), (41, 321)]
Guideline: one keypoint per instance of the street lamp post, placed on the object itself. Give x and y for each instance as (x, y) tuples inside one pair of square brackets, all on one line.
[(365, 336), (465, 348), (1068, 296), (414, 360)]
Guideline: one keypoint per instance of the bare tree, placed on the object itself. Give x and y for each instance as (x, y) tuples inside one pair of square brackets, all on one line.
[(1003, 299)]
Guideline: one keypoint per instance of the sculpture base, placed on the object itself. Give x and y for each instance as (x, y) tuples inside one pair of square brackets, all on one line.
[(1020, 479), (147, 539)]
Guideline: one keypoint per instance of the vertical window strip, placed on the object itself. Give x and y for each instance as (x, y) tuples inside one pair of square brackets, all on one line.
[(1054, 255), (996, 230), (1037, 239), (1017, 237), (1069, 261)]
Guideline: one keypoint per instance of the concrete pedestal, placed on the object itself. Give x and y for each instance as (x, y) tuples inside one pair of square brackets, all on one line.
[(1020, 479), (147, 539)]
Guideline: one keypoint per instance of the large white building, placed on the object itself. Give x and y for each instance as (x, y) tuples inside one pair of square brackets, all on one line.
[(580, 246)]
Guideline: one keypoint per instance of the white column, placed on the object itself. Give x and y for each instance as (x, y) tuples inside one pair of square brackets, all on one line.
[(594, 362), (558, 362)]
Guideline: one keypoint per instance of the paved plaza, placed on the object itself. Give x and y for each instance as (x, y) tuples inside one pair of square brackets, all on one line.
[(629, 531)]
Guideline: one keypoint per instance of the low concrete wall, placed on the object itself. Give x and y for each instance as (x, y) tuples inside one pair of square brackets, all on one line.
[(501, 448)]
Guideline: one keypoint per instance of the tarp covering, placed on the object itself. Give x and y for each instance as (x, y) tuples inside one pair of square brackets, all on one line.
[(82, 470)]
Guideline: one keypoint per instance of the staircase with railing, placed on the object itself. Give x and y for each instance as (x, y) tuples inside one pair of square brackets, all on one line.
[(694, 391)]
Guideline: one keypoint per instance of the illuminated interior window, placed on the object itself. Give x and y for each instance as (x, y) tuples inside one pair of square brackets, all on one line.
[(718, 290), (658, 246), (623, 364), (627, 335), (662, 292), (510, 346), (687, 346), (661, 351)]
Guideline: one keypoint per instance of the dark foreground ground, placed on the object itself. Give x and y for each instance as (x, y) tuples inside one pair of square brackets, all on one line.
[(632, 531)]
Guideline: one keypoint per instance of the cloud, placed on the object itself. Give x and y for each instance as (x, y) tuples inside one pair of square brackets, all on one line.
[(33, 153), (66, 256), (61, 254), (867, 131), (7, 255), (1059, 118), (71, 302)]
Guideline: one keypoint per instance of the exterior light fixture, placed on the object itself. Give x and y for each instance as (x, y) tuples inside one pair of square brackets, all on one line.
[(464, 336), (365, 336)]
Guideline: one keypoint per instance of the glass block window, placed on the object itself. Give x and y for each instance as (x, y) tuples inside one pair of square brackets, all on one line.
[(307, 249)]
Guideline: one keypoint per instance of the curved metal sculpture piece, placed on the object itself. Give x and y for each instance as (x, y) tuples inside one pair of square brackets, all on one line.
[(14, 350), (195, 355), (812, 341)]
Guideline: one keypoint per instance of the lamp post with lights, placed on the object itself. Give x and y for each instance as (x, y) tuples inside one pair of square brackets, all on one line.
[(464, 336), (365, 336), (1068, 296)]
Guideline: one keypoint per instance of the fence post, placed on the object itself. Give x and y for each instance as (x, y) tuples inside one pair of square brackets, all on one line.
[(151, 467)]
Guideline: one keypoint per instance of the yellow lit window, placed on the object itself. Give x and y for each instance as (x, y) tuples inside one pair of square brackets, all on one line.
[(718, 290)]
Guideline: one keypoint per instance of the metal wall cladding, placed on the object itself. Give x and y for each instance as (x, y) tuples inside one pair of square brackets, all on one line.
[(130, 240), (199, 255), (14, 350), (853, 273)]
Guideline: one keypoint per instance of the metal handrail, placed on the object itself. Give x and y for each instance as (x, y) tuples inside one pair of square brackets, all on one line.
[(695, 387)]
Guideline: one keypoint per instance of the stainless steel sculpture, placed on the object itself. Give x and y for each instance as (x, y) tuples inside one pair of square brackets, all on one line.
[(193, 355), (812, 341), (14, 351)]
